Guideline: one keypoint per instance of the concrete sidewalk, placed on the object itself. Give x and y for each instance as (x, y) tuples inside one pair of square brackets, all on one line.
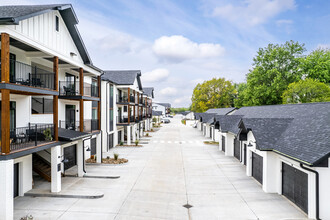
[(174, 169)]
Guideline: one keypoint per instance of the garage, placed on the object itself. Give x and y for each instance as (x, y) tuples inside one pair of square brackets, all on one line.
[(295, 186), (244, 154), (223, 143), (237, 150), (16, 179), (210, 132), (257, 167), (93, 146), (70, 154)]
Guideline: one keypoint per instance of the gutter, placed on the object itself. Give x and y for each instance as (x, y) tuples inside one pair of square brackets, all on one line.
[(317, 190), (84, 152)]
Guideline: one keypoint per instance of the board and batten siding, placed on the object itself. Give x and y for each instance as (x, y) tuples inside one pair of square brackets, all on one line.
[(41, 29)]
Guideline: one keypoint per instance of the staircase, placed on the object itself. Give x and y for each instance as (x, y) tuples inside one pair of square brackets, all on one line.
[(42, 167)]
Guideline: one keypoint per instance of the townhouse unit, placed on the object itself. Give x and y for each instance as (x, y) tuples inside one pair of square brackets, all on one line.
[(127, 110), (285, 148), (50, 99), (165, 108)]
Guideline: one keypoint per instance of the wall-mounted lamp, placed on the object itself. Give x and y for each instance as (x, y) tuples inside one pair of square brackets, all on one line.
[(73, 54), (88, 148), (250, 143)]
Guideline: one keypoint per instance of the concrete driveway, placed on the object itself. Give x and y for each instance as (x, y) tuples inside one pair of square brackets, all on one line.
[(174, 169)]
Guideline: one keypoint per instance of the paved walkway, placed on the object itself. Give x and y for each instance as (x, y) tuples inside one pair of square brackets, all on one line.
[(174, 169)]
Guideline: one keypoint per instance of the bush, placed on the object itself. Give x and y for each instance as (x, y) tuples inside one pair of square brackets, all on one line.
[(136, 142), (151, 129), (115, 156), (147, 134), (121, 143)]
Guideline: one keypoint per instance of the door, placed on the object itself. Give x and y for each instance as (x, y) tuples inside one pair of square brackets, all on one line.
[(257, 167), (237, 150), (210, 132), (70, 117), (223, 142), (16, 179), (110, 141), (70, 153), (93, 146), (119, 137), (244, 154), (295, 186)]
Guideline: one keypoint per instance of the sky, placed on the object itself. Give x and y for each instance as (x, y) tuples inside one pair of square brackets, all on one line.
[(179, 43)]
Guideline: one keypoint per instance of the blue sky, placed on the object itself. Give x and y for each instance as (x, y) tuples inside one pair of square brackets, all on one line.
[(178, 44)]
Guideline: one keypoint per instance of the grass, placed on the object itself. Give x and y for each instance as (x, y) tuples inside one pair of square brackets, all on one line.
[(211, 142)]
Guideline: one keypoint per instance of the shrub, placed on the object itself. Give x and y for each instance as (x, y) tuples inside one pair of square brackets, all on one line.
[(151, 129), (136, 142), (48, 134), (147, 134), (115, 156), (121, 143)]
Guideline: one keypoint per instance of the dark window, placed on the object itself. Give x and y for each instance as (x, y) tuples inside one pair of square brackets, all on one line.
[(57, 25), (125, 108), (110, 141), (42, 105), (93, 146)]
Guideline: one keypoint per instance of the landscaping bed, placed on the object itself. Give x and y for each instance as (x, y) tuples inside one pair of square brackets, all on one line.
[(132, 145), (211, 142), (109, 160)]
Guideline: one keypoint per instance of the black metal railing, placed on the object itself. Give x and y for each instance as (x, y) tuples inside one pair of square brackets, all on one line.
[(68, 88), (89, 125), (124, 119), (27, 75), (91, 90), (122, 99), (30, 136), (132, 99)]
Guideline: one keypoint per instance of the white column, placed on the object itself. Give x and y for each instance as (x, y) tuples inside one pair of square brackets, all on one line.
[(56, 174), (248, 162), (6, 189), (25, 174), (122, 135), (141, 130), (145, 125), (80, 159), (128, 135), (98, 149), (134, 133)]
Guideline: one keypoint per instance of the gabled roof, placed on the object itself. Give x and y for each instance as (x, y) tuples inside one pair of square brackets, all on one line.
[(123, 77), (148, 91), (167, 105), (220, 111), (156, 113), (229, 123), (304, 129), (13, 14), (71, 135)]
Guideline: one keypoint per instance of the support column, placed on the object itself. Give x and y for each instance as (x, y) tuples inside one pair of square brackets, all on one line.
[(5, 99), (99, 103), (128, 135), (80, 161), (55, 98), (122, 138), (55, 173), (98, 149), (141, 130), (134, 133), (6, 189), (81, 101)]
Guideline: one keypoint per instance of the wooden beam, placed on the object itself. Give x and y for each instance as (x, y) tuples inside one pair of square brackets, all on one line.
[(81, 81), (5, 121), (129, 95), (99, 103), (55, 98), (5, 58), (81, 115)]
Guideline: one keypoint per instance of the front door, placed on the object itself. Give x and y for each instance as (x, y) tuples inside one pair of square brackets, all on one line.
[(70, 153), (70, 117), (16, 179), (237, 151), (93, 146)]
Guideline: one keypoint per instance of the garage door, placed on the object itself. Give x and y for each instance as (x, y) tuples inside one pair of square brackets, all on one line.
[(210, 132), (93, 146), (257, 167), (295, 186), (244, 153), (70, 154), (223, 141), (16, 180), (237, 150)]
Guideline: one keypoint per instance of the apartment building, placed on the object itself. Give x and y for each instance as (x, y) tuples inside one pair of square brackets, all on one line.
[(50, 99), (165, 108)]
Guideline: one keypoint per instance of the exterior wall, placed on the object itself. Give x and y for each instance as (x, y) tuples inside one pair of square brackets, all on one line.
[(217, 135), (229, 144), (25, 173), (207, 131), (6, 189), (324, 180), (157, 107)]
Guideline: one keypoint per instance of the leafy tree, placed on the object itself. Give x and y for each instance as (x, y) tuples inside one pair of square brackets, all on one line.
[(241, 94), (176, 110), (214, 93), (317, 65), (308, 90), (274, 68)]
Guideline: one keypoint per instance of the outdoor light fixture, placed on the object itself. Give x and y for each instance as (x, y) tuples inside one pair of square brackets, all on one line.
[(250, 145), (65, 160), (88, 149), (73, 54)]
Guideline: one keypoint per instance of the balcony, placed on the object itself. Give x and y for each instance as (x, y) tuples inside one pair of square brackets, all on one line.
[(90, 125), (124, 120), (70, 88), (124, 99), (31, 136), (27, 75)]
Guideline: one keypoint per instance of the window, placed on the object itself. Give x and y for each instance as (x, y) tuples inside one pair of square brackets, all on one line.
[(125, 108), (42, 105), (94, 110), (57, 25)]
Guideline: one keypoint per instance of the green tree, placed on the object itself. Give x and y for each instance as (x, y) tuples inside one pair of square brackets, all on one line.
[(214, 93), (308, 90), (317, 65), (274, 68), (241, 94)]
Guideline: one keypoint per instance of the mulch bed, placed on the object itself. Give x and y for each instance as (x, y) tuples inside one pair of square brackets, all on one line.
[(109, 161), (132, 145), (211, 142)]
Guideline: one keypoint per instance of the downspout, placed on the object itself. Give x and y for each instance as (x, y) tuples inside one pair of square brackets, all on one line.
[(84, 152), (106, 112), (101, 115), (317, 190)]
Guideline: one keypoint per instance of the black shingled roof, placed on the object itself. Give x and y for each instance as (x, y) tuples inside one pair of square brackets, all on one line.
[(228, 123), (156, 113), (148, 91), (71, 135), (220, 111), (123, 77), (167, 105)]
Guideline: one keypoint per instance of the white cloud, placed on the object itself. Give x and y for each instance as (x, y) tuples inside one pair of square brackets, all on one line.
[(253, 12), (284, 22), (323, 46), (169, 91), (177, 48), (156, 75)]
